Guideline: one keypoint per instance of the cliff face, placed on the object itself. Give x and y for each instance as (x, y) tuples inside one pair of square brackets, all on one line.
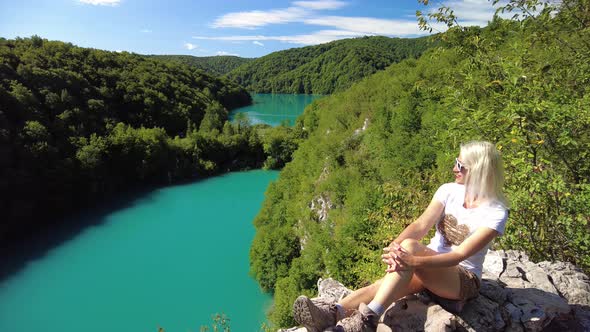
[(516, 295)]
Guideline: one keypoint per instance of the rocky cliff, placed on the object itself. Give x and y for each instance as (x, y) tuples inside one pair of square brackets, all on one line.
[(516, 295)]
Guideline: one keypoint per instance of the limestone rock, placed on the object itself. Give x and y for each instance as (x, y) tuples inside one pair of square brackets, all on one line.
[(321, 205), (571, 283), (516, 295), (294, 329), (332, 290), (481, 314), (493, 266), (363, 128)]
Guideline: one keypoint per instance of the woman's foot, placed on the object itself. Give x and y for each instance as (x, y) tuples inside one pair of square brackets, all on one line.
[(315, 314)]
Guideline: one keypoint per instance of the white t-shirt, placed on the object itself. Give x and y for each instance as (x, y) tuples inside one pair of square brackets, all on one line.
[(459, 223)]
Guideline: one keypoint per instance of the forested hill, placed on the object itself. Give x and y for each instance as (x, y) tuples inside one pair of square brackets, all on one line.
[(213, 65), (523, 85), (325, 68), (79, 124)]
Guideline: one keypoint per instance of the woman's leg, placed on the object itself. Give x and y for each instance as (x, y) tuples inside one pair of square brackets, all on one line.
[(361, 295), (444, 282), (399, 284), (393, 286), (398, 280)]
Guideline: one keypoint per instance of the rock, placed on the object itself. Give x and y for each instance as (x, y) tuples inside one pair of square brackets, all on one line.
[(363, 128), (569, 281), (539, 304), (321, 205), (332, 290), (538, 278), (492, 290), (582, 317), (493, 266), (405, 315), (294, 329), (516, 295), (513, 318)]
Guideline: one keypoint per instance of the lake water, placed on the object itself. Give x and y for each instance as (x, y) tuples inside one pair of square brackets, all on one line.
[(170, 258), (273, 109)]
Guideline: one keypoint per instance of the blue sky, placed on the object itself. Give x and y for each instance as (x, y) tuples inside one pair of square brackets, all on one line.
[(250, 28)]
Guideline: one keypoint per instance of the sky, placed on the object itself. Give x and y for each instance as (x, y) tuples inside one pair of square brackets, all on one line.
[(245, 28)]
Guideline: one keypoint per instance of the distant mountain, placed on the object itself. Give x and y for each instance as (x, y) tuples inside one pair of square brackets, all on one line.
[(325, 68), (213, 65)]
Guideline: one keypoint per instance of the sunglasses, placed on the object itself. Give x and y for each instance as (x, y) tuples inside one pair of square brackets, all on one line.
[(459, 165)]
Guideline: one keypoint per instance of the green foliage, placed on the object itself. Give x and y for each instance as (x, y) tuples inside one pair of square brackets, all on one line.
[(214, 65), (325, 68), (220, 323), (520, 83), (287, 292), (77, 125), (279, 143), (274, 251)]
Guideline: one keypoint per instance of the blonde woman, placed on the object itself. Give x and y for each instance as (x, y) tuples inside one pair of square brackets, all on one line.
[(468, 214)]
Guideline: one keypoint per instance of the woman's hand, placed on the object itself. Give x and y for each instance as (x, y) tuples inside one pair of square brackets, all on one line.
[(397, 258)]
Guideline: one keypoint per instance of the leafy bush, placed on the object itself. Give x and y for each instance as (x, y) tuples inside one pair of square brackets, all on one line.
[(522, 84)]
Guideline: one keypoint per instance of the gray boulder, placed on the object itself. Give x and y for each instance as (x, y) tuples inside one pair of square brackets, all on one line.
[(516, 295)]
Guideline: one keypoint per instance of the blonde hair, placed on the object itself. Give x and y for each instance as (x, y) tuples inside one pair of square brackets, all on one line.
[(485, 172)]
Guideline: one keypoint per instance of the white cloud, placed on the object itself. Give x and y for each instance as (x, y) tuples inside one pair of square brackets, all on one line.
[(258, 18), (369, 25), (321, 4), (472, 12), (315, 38), (190, 46), (469, 12), (226, 53), (101, 2), (146, 30)]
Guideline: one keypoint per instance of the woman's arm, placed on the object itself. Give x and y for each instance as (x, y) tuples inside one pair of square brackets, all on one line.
[(468, 248), (419, 228)]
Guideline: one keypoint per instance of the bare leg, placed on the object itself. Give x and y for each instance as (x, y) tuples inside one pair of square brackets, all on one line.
[(444, 282), (364, 295), (399, 284), (404, 281)]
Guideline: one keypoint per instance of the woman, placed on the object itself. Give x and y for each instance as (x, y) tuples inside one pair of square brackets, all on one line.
[(468, 215)]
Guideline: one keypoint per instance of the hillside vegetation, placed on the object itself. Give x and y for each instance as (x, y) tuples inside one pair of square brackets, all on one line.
[(78, 125), (325, 68), (522, 84), (212, 65)]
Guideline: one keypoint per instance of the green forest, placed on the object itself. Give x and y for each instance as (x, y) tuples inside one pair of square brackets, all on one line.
[(213, 65), (325, 68), (78, 125), (522, 83)]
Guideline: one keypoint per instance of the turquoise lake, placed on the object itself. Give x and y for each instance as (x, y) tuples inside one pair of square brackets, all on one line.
[(169, 258), (273, 109), (173, 258)]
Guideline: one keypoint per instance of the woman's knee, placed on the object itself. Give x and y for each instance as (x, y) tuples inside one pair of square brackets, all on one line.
[(412, 246)]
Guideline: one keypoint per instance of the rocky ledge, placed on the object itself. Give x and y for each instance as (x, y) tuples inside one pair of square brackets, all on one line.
[(516, 295)]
